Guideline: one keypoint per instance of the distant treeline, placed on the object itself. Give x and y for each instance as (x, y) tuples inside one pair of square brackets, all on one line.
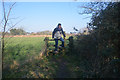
[(42, 33), (20, 31)]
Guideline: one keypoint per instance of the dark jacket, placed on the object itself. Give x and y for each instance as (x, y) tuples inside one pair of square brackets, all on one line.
[(57, 29)]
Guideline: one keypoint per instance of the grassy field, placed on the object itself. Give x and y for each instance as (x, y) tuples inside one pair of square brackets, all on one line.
[(20, 49), (21, 59)]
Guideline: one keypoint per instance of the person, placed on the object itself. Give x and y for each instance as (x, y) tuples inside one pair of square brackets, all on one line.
[(56, 34)]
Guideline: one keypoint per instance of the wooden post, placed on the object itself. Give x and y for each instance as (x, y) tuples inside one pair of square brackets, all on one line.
[(71, 45), (64, 39), (63, 51), (46, 45)]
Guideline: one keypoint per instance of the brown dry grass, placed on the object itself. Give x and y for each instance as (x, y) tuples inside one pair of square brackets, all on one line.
[(30, 36)]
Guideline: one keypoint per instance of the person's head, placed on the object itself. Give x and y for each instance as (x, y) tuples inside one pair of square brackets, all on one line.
[(59, 25)]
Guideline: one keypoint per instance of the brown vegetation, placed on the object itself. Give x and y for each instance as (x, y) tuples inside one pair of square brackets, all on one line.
[(29, 36)]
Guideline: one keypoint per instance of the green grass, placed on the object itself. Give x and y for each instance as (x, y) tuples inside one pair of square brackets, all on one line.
[(18, 51), (21, 49)]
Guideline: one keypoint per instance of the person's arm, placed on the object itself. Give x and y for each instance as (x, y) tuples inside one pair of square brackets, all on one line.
[(53, 33), (63, 33)]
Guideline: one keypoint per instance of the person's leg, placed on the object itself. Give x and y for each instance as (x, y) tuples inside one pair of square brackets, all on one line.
[(61, 39), (56, 44)]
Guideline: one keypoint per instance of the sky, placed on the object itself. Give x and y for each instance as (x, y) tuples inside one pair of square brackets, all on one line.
[(41, 16)]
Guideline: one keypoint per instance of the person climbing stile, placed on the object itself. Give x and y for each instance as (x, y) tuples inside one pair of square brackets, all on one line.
[(56, 34)]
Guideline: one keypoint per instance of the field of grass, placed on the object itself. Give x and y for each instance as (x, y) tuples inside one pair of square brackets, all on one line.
[(21, 59), (20, 49)]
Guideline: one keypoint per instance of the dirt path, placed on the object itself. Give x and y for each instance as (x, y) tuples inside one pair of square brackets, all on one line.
[(63, 71)]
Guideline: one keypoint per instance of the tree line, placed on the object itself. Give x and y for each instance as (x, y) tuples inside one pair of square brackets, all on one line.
[(20, 31)]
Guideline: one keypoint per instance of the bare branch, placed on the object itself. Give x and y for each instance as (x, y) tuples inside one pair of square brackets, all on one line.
[(1, 21), (10, 10), (5, 23), (14, 18), (88, 8), (87, 17), (13, 25), (4, 10), (6, 19)]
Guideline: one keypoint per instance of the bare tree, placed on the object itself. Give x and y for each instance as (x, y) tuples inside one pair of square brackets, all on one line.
[(5, 21), (4, 25)]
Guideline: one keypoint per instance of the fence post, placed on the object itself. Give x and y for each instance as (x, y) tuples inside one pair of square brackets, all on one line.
[(71, 45), (46, 45), (64, 40)]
